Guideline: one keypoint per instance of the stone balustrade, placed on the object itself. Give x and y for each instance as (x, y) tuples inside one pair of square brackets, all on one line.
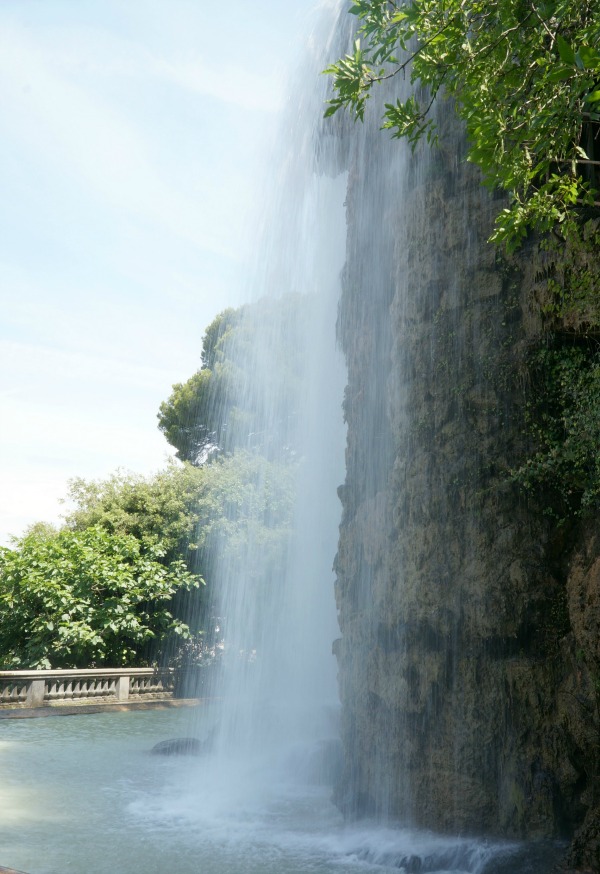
[(48, 688)]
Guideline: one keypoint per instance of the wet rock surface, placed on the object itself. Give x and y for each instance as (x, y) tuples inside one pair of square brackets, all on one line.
[(584, 853), (470, 651), (539, 858)]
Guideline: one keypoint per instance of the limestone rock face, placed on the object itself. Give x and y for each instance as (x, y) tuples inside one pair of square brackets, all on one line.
[(470, 650)]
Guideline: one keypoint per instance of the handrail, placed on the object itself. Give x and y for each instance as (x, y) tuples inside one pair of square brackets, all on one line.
[(49, 687), (68, 672)]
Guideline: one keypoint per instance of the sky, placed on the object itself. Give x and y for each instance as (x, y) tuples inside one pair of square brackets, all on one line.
[(132, 144)]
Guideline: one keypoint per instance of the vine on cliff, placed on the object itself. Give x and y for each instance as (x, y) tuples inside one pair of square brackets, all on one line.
[(563, 419)]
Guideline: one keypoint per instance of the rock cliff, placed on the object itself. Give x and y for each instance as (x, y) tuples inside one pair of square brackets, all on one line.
[(469, 661)]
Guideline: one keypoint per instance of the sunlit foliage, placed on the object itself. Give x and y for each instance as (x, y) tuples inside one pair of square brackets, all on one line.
[(524, 76), (245, 395), (86, 598)]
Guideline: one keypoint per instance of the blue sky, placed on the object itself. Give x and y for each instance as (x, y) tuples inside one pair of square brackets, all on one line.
[(133, 136)]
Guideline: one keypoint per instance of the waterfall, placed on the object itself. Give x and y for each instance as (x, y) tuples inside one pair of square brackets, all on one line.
[(277, 690), (369, 398), (383, 251)]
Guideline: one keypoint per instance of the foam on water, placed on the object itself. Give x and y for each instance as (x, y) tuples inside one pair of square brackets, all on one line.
[(83, 794)]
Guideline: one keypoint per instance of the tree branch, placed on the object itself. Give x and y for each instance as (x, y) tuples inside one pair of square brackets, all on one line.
[(544, 25), (409, 60)]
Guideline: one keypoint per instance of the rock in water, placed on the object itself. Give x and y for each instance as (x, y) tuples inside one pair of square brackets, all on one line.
[(179, 746)]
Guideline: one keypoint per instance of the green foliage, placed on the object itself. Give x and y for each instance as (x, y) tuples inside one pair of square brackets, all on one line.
[(157, 509), (524, 77), (188, 419), (96, 592), (85, 598), (192, 418), (570, 277), (194, 513), (563, 470), (247, 505), (252, 363), (217, 335)]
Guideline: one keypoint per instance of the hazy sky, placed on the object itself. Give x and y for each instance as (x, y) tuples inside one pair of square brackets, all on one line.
[(131, 136)]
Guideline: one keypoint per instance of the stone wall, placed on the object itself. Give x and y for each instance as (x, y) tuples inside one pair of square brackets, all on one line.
[(469, 630)]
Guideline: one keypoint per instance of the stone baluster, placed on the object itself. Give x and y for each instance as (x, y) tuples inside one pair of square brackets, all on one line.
[(35, 693), (122, 688), (52, 690)]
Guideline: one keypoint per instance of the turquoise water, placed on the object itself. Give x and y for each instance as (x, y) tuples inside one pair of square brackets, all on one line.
[(83, 794)]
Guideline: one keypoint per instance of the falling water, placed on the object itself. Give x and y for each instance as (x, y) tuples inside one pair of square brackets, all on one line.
[(278, 690), (276, 725)]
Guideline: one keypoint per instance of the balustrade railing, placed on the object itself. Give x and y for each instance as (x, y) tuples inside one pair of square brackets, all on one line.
[(47, 688)]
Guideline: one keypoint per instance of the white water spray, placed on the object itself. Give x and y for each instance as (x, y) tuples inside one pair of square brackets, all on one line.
[(277, 713)]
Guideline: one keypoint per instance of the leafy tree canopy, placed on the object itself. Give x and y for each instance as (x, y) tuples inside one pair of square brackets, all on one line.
[(162, 508), (96, 591), (191, 418), (247, 503), (190, 511), (217, 335), (121, 582), (251, 374), (195, 512), (85, 598), (525, 78)]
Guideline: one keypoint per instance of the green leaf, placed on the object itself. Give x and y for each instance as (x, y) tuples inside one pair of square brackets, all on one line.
[(589, 57), (333, 107), (564, 50), (560, 74)]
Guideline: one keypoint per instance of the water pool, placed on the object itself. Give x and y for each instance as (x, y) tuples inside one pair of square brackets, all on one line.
[(83, 794)]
